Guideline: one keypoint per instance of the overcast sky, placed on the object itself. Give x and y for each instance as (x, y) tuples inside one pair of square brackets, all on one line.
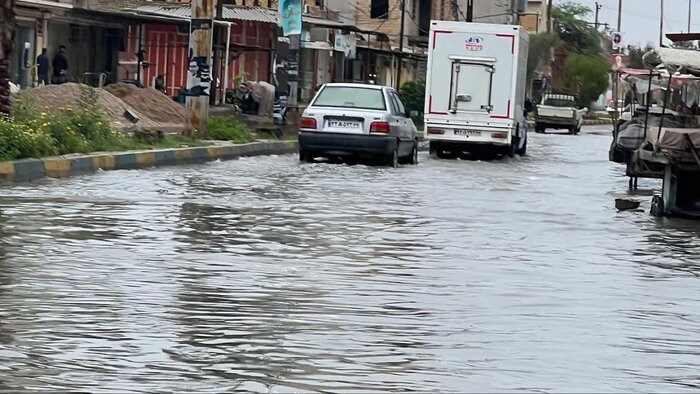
[(640, 18)]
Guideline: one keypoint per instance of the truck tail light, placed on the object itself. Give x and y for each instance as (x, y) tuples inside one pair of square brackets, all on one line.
[(432, 130), (499, 135), (379, 127), (307, 123)]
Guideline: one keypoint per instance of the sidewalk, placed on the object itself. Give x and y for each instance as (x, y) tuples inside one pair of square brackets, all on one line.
[(27, 170)]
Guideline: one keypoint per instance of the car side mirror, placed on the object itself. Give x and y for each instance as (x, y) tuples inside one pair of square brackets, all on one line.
[(413, 114)]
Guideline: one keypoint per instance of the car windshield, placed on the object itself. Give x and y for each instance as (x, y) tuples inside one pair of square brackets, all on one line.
[(559, 102), (350, 97)]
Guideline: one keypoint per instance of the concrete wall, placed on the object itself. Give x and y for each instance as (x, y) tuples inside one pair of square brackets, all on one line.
[(392, 24)]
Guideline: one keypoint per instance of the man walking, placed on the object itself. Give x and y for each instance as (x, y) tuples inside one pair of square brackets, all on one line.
[(60, 65), (42, 65)]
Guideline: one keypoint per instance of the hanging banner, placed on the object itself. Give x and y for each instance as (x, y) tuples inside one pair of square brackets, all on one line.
[(290, 15), (346, 43), (617, 42)]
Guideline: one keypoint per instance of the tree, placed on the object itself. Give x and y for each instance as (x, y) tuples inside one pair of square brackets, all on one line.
[(539, 51), (634, 59), (7, 41), (587, 76), (573, 28)]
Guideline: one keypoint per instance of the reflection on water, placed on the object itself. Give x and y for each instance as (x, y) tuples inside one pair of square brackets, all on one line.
[(266, 275)]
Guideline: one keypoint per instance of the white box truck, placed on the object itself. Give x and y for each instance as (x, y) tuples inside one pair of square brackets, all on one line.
[(475, 88)]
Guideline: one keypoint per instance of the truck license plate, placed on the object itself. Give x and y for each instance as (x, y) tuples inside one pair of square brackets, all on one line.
[(468, 133)]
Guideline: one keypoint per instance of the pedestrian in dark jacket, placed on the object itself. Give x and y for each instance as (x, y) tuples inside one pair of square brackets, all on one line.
[(42, 67), (60, 65)]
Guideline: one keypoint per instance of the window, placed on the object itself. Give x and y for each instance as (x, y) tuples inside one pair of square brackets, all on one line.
[(350, 97), (379, 9), (399, 104), (394, 106)]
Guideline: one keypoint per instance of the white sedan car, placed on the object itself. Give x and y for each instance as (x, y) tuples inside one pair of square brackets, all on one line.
[(361, 120)]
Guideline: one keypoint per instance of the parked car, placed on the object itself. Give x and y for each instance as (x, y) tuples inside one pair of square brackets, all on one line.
[(559, 111), (358, 120)]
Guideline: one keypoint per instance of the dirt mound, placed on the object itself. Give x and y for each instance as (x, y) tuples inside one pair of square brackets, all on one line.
[(155, 105), (68, 96)]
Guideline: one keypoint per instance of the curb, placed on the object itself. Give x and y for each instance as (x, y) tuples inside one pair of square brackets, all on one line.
[(27, 170), (586, 122)]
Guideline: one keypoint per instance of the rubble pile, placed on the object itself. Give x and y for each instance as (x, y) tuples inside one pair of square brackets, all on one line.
[(154, 109), (149, 102)]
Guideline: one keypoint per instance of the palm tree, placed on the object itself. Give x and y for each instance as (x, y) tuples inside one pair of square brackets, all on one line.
[(7, 41)]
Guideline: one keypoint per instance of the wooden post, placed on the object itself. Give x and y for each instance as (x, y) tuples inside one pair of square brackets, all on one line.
[(199, 73)]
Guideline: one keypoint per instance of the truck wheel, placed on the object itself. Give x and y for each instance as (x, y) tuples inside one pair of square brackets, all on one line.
[(523, 150), (435, 150), (657, 206), (539, 128)]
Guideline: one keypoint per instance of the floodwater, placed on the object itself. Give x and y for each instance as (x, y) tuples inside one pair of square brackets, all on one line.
[(264, 274)]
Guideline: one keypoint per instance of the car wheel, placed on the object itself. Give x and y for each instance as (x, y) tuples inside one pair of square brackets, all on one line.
[(657, 206), (306, 157), (414, 154), (393, 158)]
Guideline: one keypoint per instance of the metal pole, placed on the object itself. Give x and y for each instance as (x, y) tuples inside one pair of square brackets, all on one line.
[(401, 32), (619, 16), (470, 10), (139, 54), (228, 49), (661, 26), (690, 9), (199, 73), (549, 16)]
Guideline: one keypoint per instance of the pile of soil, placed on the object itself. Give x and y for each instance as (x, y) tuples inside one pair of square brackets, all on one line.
[(155, 105), (68, 96)]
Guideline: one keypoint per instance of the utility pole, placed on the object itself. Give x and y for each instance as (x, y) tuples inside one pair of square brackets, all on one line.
[(470, 11), (690, 10), (597, 10), (401, 31), (619, 16), (661, 26), (549, 16), (199, 67)]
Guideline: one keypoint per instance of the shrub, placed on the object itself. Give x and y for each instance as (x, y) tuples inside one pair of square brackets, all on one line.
[(30, 133), (413, 97), (18, 140), (229, 129)]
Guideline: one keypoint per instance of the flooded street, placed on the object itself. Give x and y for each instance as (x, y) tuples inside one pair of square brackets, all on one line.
[(264, 274)]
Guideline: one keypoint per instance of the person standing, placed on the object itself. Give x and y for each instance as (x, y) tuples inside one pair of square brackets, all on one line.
[(60, 65), (42, 67)]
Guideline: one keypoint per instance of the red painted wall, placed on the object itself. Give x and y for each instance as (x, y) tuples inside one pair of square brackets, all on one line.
[(166, 53)]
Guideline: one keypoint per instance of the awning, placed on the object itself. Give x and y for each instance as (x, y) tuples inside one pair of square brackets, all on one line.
[(44, 4)]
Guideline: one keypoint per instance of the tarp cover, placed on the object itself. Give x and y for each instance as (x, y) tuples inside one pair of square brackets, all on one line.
[(673, 139), (674, 59)]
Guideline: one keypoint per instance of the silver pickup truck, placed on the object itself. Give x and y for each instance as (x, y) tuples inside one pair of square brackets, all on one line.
[(559, 111)]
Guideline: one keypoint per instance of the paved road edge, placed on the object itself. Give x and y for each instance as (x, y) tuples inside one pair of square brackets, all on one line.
[(27, 170), (586, 122)]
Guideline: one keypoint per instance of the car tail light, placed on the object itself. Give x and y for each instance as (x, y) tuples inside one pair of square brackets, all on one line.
[(307, 123), (432, 130), (379, 127), (499, 135)]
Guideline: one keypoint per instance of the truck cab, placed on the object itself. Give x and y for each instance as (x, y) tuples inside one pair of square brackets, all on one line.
[(559, 111)]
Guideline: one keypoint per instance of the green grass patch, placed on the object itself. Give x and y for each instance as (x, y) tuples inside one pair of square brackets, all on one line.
[(229, 129), (28, 133)]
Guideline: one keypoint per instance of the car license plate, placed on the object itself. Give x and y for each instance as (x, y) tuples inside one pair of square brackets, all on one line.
[(344, 124), (468, 133)]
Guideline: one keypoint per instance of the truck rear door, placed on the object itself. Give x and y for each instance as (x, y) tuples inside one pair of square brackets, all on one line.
[(470, 76)]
